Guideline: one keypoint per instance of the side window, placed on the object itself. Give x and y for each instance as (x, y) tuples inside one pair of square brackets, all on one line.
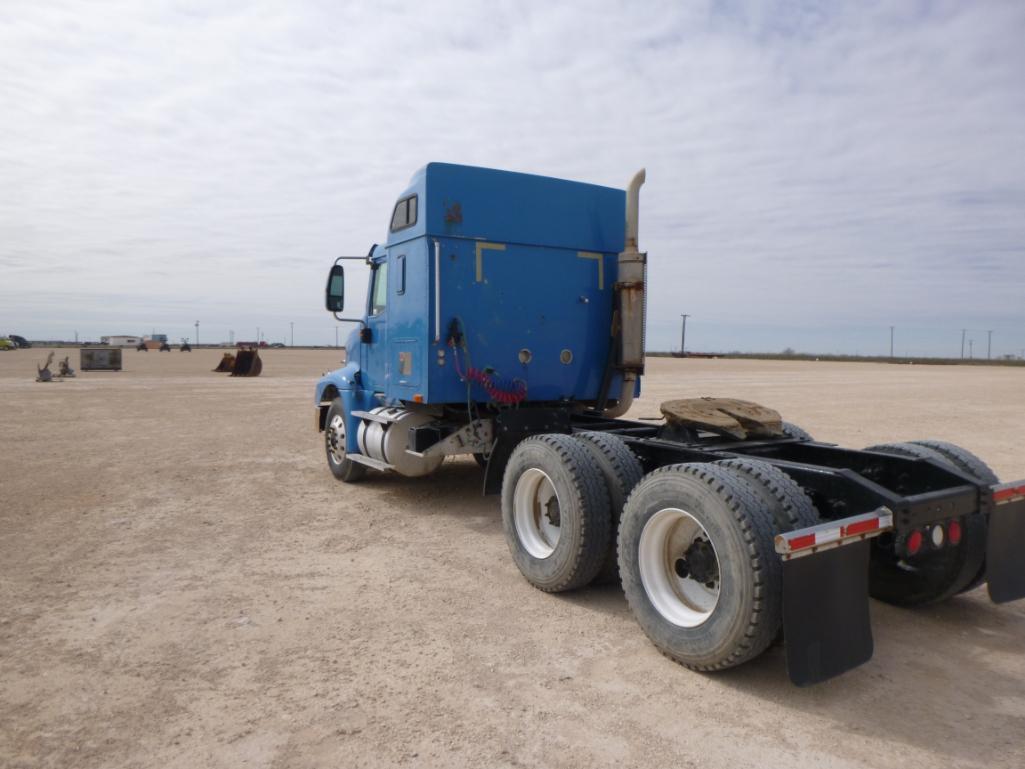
[(400, 266), (404, 214), (379, 297)]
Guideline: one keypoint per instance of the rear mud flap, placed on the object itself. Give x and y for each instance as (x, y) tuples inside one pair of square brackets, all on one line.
[(1005, 571), (826, 623)]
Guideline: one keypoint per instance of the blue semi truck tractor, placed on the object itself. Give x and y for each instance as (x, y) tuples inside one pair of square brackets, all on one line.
[(505, 320)]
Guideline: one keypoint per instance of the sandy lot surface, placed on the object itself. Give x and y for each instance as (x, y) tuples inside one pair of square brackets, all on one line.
[(184, 584)]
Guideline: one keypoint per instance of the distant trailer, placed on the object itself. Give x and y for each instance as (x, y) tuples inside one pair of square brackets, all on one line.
[(122, 340), (100, 359)]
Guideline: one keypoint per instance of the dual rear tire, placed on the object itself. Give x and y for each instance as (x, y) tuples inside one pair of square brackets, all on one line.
[(562, 496), (695, 541), (698, 566), (555, 512)]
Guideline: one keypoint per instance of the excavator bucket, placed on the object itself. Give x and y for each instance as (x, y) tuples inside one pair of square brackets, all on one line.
[(247, 363), (227, 363)]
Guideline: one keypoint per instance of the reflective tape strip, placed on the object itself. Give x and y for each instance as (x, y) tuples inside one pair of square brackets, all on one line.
[(834, 533), (1008, 492)]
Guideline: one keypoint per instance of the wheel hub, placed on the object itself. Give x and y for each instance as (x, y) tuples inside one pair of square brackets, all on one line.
[(679, 568), (336, 438), (551, 508), (699, 563), (536, 513)]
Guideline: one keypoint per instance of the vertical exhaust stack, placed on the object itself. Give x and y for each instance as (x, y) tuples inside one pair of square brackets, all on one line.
[(630, 301)]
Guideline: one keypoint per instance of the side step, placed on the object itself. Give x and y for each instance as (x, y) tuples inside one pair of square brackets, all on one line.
[(385, 420), (363, 459)]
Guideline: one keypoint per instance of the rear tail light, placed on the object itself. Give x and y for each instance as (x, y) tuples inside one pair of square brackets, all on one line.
[(914, 543), (954, 532)]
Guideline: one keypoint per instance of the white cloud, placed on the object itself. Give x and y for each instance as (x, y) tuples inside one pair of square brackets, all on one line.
[(816, 172)]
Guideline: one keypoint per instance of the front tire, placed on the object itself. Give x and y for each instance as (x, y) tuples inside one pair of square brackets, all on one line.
[(343, 468), (698, 565)]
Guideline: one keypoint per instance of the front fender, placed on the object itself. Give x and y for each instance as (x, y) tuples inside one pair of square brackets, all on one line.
[(344, 378), (344, 383)]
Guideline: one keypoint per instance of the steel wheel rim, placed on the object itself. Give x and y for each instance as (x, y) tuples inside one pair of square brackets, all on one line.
[(665, 539), (537, 513), (336, 439)]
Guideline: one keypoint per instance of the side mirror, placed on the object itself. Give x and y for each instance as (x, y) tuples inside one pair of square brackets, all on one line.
[(335, 293)]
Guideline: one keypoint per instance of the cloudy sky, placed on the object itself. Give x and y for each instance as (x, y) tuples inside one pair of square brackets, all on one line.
[(817, 171)]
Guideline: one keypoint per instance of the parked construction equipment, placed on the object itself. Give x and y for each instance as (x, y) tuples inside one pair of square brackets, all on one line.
[(43, 373), (100, 359), (247, 362), (505, 320), (226, 364)]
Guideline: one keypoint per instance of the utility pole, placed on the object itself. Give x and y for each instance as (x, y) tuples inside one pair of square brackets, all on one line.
[(257, 336), (989, 344), (683, 336), (231, 337), (336, 336), (963, 331), (292, 325), (76, 337), (197, 333), (970, 342), (891, 341)]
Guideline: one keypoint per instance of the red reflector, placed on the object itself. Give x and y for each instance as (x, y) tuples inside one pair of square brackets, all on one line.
[(861, 527), (914, 542), (1009, 493), (954, 532), (799, 543), (1003, 494)]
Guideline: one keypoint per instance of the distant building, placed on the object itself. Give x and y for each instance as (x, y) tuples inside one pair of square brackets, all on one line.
[(121, 340)]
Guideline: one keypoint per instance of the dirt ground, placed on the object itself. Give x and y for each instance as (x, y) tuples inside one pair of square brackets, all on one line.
[(184, 584)]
